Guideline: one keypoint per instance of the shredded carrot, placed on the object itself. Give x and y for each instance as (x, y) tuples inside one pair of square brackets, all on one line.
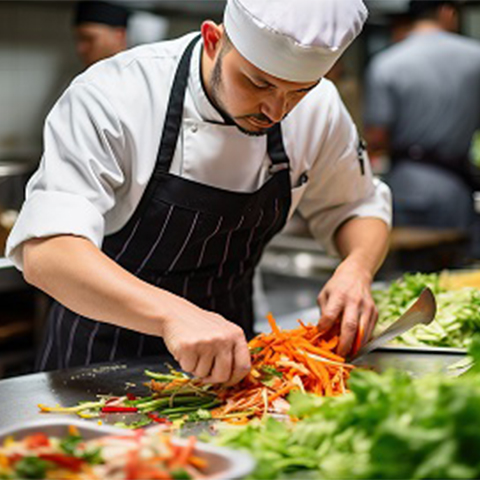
[(282, 360), (185, 452), (273, 325), (240, 421), (282, 392), (284, 355), (198, 462), (358, 339)]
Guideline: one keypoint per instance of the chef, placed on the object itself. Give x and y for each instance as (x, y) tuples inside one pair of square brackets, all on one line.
[(168, 168), (100, 30)]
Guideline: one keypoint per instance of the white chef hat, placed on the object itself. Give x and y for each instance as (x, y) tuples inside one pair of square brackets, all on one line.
[(295, 40)]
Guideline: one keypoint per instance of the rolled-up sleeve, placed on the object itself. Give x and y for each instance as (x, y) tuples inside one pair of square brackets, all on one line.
[(341, 184), (80, 170)]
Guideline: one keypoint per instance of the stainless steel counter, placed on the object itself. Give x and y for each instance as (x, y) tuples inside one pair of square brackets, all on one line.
[(20, 396)]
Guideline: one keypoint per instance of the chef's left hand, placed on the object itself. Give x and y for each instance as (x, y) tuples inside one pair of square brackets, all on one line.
[(347, 299)]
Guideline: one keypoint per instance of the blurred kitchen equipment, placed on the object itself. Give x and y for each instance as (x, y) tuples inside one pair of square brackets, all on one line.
[(14, 174)]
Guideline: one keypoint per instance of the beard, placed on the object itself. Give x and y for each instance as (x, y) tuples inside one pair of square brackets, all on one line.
[(216, 88)]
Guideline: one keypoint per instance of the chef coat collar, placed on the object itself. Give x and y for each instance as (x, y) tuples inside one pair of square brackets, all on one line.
[(204, 106)]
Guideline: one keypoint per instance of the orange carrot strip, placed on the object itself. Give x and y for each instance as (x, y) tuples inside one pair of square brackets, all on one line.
[(241, 421), (273, 325), (186, 452), (198, 462), (282, 392), (322, 353), (358, 339)]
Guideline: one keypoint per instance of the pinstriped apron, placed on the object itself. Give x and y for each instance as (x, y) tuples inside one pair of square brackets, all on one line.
[(194, 240)]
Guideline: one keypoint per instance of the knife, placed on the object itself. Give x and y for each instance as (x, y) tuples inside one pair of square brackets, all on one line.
[(422, 312)]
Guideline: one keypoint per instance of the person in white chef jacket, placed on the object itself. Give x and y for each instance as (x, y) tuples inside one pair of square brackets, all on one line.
[(168, 168)]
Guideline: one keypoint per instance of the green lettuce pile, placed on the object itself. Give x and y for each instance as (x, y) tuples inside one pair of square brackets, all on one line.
[(458, 311), (390, 426)]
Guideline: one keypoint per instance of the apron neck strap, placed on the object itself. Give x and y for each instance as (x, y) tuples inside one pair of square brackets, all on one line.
[(174, 115), (173, 119)]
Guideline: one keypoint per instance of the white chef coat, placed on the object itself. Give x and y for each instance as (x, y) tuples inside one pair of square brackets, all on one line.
[(101, 140)]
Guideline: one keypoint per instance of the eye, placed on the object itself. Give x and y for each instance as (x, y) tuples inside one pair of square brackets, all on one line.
[(259, 86)]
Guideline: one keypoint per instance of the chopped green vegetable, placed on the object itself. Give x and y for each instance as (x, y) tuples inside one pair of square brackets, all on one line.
[(256, 350), (70, 443), (31, 467), (165, 377), (199, 415), (144, 420), (390, 426), (93, 456), (271, 371), (181, 474), (457, 318)]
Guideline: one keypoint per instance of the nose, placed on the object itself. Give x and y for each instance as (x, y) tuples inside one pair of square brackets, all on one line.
[(275, 107)]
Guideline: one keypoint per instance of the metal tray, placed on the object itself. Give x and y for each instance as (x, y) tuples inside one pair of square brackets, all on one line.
[(416, 361), (408, 349), (223, 463)]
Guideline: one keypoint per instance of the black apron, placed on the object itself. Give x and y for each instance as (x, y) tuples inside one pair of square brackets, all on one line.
[(199, 242)]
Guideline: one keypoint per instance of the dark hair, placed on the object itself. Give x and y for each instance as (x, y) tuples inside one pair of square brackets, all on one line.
[(427, 9), (92, 11)]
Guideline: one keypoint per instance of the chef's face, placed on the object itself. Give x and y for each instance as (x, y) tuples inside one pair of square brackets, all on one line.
[(96, 41), (253, 99)]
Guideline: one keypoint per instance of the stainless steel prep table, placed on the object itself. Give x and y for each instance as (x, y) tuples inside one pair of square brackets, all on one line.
[(20, 396)]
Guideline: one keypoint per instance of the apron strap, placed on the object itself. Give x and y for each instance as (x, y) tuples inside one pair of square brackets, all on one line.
[(276, 150), (173, 119)]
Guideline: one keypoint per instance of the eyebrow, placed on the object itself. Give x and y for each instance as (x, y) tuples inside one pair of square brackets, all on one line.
[(269, 84)]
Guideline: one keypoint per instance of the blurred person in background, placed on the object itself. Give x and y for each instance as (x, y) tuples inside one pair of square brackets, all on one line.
[(349, 89), (422, 109), (100, 30), (400, 26)]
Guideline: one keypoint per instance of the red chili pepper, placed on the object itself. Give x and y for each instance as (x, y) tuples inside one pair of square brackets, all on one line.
[(131, 396), (157, 419), (14, 458), (119, 409), (37, 440), (66, 461)]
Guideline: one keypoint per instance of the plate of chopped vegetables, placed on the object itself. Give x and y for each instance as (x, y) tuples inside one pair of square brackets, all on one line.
[(78, 450)]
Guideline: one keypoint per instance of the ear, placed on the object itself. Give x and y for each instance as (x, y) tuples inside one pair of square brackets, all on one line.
[(121, 35), (212, 35)]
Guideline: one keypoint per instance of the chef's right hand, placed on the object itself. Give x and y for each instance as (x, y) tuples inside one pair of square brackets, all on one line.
[(206, 345)]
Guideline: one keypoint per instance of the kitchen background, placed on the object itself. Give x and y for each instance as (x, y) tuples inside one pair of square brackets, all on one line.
[(38, 60)]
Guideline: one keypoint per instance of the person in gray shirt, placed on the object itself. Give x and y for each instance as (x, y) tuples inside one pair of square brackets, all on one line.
[(422, 109)]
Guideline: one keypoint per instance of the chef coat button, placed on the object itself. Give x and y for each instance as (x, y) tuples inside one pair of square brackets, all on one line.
[(194, 129)]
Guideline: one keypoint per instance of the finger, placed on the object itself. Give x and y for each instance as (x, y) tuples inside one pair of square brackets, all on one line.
[(204, 365), (188, 362), (322, 300), (330, 313), (348, 329), (222, 367), (241, 362)]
